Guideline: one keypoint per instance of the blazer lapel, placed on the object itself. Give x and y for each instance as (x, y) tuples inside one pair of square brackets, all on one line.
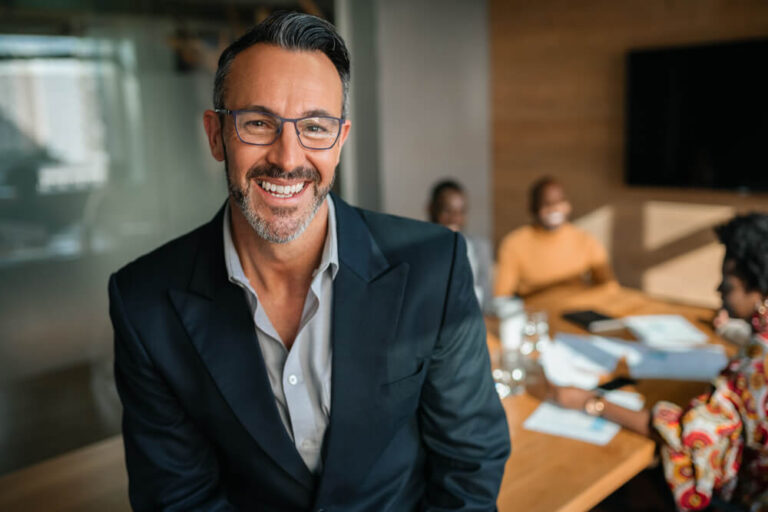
[(218, 321), (366, 306)]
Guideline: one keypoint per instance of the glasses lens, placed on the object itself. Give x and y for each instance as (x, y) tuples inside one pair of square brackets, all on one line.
[(318, 132), (257, 127)]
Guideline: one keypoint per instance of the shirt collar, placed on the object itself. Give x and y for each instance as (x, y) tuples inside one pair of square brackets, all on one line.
[(329, 258)]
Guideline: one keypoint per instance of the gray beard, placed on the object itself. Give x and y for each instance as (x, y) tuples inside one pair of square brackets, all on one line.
[(276, 232)]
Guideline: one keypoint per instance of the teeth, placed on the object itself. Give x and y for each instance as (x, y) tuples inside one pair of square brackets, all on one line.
[(281, 191)]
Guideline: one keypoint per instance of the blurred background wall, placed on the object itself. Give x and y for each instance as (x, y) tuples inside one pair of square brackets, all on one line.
[(102, 158), (434, 104), (420, 104), (558, 81)]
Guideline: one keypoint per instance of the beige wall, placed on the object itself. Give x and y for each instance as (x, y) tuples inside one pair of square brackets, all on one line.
[(433, 104), (558, 108)]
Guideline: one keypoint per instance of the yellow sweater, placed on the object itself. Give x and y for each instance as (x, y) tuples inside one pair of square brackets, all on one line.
[(531, 258)]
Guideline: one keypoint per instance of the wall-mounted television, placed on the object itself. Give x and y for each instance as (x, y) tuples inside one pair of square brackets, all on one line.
[(697, 116)]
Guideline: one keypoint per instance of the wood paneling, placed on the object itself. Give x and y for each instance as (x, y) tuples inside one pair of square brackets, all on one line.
[(558, 107)]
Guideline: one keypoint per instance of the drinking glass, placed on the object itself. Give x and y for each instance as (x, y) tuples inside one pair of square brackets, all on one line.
[(535, 334), (508, 370)]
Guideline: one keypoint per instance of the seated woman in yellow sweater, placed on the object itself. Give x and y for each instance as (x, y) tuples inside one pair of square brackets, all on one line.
[(549, 251)]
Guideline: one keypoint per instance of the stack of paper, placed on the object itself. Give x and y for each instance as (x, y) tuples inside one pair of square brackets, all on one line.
[(698, 364), (575, 360), (665, 331)]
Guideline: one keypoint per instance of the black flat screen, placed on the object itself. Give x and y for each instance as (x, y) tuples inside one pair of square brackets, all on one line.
[(698, 116)]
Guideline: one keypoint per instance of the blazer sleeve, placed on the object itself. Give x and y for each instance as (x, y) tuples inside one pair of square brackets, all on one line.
[(464, 426), (171, 466)]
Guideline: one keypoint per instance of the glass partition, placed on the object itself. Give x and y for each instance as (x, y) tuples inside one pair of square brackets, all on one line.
[(102, 157)]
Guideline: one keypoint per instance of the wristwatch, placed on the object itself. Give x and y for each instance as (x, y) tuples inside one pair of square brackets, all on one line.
[(594, 406)]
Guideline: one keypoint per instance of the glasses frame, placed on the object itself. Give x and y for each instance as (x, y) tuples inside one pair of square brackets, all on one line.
[(279, 132)]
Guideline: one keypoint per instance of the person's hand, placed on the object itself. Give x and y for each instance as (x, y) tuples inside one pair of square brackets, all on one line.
[(720, 319), (569, 397), (572, 398), (537, 385)]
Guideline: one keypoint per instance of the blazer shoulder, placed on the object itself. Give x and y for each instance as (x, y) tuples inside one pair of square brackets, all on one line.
[(401, 238), (170, 264)]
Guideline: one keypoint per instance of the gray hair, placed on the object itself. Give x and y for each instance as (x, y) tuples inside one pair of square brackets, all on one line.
[(292, 31)]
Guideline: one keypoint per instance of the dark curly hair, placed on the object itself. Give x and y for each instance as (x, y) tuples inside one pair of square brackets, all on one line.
[(437, 191), (746, 244)]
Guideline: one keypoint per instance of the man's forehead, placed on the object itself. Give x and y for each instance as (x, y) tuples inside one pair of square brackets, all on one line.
[(274, 72), (450, 195), (553, 190)]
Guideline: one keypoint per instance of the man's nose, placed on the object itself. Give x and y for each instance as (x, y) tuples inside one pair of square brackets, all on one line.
[(287, 152)]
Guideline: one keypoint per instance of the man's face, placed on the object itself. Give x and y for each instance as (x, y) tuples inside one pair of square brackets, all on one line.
[(554, 207), (451, 209), (291, 84)]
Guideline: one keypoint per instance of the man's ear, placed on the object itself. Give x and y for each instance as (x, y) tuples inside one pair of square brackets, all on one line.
[(342, 139), (213, 129), (344, 132)]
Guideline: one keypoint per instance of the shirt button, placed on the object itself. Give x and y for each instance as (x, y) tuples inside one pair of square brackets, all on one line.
[(292, 380)]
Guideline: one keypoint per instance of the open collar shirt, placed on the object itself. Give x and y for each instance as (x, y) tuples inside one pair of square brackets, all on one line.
[(300, 378)]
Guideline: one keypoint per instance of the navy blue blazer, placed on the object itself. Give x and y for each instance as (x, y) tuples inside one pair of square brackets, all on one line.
[(415, 421)]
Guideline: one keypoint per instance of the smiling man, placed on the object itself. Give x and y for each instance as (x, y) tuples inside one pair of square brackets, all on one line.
[(297, 353)]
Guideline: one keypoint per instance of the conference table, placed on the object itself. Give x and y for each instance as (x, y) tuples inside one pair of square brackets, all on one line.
[(544, 473), (548, 473)]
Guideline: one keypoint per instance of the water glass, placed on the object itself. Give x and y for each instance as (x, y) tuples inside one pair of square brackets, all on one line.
[(508, 372), (535, 334)]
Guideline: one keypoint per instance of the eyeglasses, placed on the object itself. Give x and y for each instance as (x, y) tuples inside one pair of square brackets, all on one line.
[(263, 128)]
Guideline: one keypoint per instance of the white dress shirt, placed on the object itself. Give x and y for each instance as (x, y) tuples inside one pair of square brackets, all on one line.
[(300, 378)]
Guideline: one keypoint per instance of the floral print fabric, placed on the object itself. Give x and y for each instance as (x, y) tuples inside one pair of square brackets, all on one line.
[(719, 444)]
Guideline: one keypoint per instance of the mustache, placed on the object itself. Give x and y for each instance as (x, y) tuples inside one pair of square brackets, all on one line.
[(277, 172)]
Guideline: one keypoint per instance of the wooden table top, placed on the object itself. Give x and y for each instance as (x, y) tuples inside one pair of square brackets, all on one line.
[(91, 479), (544, 473), (553, 474)]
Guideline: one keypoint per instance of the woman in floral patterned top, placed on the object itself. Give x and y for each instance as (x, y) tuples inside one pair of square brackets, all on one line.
[(717, 447)]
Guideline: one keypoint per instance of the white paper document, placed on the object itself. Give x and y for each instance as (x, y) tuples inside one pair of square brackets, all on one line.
[(697, 364), (573, 360), (554, 420), (626, 399), (576, 360), (665, 331), (551, 419)]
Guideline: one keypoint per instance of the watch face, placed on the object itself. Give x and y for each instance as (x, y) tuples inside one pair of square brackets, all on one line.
[(594, 406)]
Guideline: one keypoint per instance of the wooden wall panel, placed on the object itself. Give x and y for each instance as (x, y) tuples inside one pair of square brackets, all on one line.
[(558, 109)]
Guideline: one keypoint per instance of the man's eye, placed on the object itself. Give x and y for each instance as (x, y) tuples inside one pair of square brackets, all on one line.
[(315, 128)]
